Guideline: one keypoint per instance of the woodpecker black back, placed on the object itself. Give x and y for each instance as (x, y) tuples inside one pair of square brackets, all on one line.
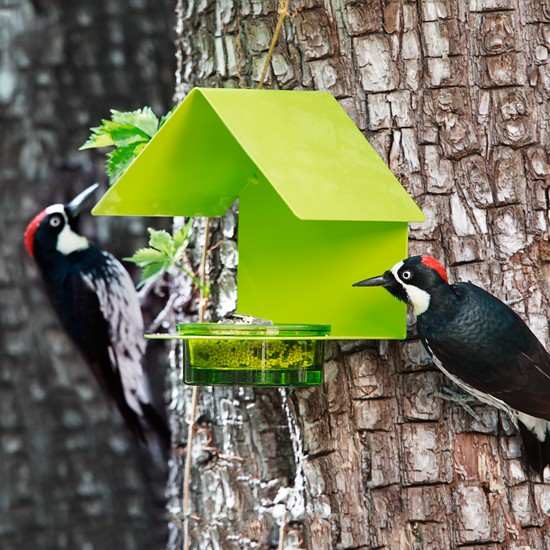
[(486, 344)]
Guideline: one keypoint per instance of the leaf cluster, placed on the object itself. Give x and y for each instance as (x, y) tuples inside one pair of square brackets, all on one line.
[(164, 252), (128, 132)]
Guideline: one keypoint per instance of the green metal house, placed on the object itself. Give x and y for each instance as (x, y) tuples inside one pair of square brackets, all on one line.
[(318, 208)]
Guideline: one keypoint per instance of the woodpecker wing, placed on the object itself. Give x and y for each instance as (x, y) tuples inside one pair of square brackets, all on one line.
[(119, 305), (99, 307), (78, 307), (485, 344)]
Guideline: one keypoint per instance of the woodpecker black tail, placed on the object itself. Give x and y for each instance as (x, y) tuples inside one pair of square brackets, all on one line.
[(536, 453), (481, 344), (98, 306)]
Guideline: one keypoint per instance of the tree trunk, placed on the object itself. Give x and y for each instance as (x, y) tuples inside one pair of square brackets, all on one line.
[(453, 94), (69, 475)]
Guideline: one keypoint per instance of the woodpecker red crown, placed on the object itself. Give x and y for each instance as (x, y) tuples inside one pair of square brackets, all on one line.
[(434, 264), (30, 232)]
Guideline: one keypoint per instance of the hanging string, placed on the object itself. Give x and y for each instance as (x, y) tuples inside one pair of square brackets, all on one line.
[(283, 14), (191, 426)]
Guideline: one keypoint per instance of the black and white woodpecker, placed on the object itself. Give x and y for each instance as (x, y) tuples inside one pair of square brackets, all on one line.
[(481, 344), (98, 306)]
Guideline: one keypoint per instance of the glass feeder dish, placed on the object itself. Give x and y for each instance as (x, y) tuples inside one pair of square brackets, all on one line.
[(253, 355)]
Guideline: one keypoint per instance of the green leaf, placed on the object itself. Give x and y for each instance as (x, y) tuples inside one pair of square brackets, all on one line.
[(98, 138), (145, 256), (139, 148), (118, 161), (144, 119), (123, 135), (151, 270), (164, 252), (162, 240), (123, 129), (167, 116), (129, 132), (182, 234)]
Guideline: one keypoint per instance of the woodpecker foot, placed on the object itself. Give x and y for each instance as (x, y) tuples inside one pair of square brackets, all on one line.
[(462, 399)]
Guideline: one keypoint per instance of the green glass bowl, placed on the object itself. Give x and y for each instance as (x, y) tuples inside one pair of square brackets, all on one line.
[(253, 355)]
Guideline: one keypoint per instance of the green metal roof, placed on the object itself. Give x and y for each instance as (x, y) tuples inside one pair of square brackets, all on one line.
[(220, 140)]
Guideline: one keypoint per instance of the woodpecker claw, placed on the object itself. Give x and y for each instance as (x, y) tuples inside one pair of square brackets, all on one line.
[(461, 399)]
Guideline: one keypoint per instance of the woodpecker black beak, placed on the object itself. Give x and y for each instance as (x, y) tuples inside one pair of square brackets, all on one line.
[(81, 201), (381, 280), (388, 282)]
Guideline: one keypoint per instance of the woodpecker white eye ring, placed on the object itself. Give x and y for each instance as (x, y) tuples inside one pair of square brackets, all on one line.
[(55, 221), (406, 275)]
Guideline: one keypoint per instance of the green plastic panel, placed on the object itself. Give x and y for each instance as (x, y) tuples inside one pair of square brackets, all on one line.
[(301, 271), (218, 140), (192, 167), (318, 210)]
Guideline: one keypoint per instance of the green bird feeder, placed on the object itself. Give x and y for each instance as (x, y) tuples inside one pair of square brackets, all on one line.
[(318, 208)]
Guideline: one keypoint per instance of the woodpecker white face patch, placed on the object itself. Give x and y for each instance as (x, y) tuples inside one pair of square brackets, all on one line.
[(420, 299), (67, 241)]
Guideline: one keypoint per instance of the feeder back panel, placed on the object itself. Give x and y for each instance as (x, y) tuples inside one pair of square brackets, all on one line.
[(294, 271)]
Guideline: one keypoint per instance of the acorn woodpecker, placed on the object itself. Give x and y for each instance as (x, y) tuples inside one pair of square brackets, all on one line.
[(481, 344), (97, 304)]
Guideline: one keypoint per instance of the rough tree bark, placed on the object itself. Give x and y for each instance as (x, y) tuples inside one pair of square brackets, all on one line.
[(69, 476), (454, 96)]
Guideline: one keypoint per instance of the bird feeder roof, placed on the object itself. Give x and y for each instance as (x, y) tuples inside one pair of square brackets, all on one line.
[(218, 141)]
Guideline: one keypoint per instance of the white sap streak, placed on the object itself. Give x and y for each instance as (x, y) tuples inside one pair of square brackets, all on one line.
[(295, 496), (177, 409)]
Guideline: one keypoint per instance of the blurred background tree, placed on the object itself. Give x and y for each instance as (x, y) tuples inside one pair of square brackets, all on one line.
[(69, 475)]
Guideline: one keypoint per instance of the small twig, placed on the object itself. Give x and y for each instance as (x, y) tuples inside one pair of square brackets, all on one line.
[(215, 246), (158, 320), (282, 533), (187, 468), (144, 291), (216, 452), (283, 13), (195, 279), (203, 301), (518, 300)]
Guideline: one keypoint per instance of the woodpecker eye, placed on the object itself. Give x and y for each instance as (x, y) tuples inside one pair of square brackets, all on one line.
[(406, 275), (55, 221)]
